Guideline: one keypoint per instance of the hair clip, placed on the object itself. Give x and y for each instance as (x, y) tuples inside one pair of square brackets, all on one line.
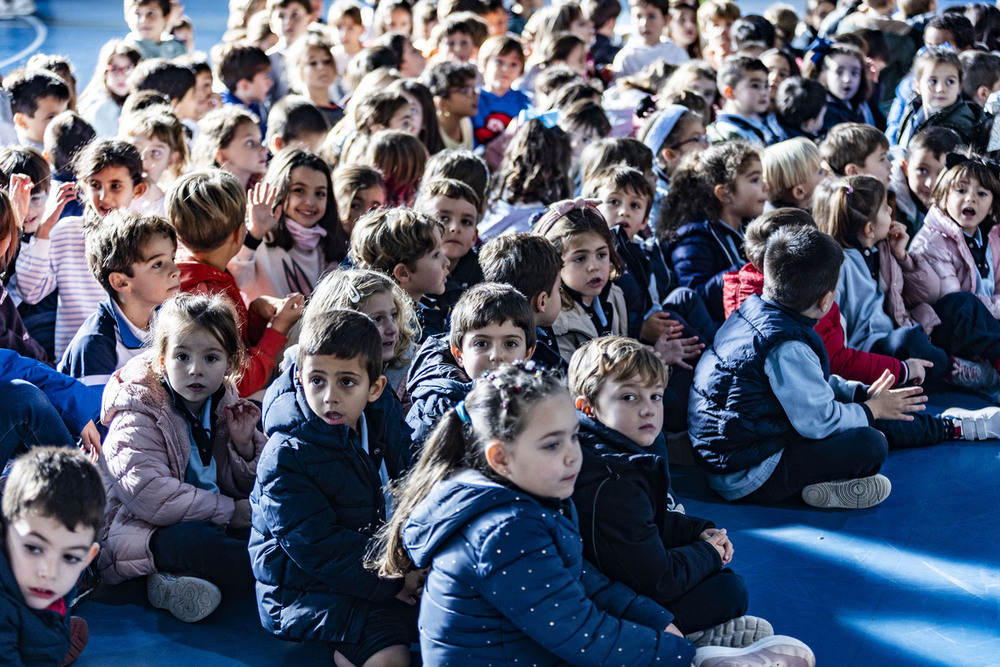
[(819, 47), (850, 190), (463, 416), (355, 294)]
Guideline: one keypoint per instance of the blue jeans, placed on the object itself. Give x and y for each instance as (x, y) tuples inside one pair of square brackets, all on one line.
[(28, 419)]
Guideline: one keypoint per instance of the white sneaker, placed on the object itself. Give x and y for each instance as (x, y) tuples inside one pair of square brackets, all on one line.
[(850, 494), (982, 424), (776, 651), (189, 599), (737, 632), (974, 374)]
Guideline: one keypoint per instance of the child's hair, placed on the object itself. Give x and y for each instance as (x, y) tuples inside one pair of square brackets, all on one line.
[(552, 78), (843, 206), (936, 140), (497, 409), (911, 8), (163, 76), (527, 262), (735, 68), (344, 334), (24, 160), (104, 153), (491, 303), (585, 115), (144, 99), (850, 143), (793, 65), (558, 48), (55, 482), (400, 157), (784, 19), (798, 101), (430, 132), (216, 131), (279, 173), (109, 51), (65, 136), (535, 165), (936, 55), (621, 178), (27, 87), (9, 229), (206, 208), (966, 165), (562, 228), (651, 78), (611, 359), (600, 12), (447, 187), (985, 21), (814, 61), (350, 288), (297, 57), (664, 128), (979, 69), (184, 313), (500, 45), (958, 25), (573, 92), (162, 5), (383, 14), (461, 165), (760, 229), (462, 22), (162, 126), (348, 180), (377, 108), (752, 29), (293, 117), (443, 77), (239, 61), (120, 242), (344, 9), (612, 151), (716, 10), (382, 239), (801, 266), (692, 186), (369, 60), (787, 164)]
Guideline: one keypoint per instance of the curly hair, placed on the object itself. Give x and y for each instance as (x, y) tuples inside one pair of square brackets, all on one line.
[(534, 166), (385, 238)]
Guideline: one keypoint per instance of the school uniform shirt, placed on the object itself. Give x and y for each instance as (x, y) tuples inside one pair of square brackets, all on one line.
[(762, 131), (509, 218), (167, 48), (636, 55), (106, 341)]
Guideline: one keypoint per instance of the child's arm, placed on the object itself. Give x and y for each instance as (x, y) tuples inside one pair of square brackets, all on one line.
[(848, 362), (13, 334), (262, 357), (37, 267), (930, 269), (238, 470), (77, 403), (262, 217), (698, 267)]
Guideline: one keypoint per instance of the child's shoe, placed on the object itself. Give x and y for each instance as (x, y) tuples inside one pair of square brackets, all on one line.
[(737, 633), (79, 633), (770, 652), (983, 424), (849, 494), (189, 599), (974, 374)]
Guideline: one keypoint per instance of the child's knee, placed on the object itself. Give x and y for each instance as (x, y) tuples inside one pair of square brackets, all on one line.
[(872, 446), (391, 656)]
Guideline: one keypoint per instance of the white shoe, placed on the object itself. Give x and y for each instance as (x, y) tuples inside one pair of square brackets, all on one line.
[(737, 632), (776, 651), (189, 599), (982, 424), (848, 494)]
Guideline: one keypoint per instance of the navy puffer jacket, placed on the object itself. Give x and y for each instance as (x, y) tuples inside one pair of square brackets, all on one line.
[(436, 384), (701, 253)]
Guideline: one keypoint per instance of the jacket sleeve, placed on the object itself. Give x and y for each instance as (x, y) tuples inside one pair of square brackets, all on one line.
[(921, 281), (13, 334), (136, 452), (305, 524), (847, 362), (697, 267), (36, 277), (260, 362), (76, 402), (523, 576)]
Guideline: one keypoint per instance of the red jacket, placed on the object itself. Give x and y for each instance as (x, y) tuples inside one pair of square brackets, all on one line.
[(263, 343), (846, 362)]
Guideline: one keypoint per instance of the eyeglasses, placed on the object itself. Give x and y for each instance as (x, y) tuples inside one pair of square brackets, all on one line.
[(467, 90), (702, 140), (114, 69)]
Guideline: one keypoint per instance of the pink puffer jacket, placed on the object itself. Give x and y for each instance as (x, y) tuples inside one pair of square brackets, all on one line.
[(147, 452)]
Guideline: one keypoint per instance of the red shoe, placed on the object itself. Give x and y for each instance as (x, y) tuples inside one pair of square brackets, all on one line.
[(79, 633)]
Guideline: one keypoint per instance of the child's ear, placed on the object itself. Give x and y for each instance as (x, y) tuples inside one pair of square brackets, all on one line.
[(539, 302), (852, 169), (722, 193), (91, 554), (457, 353), (120, 282), (497, 457), (727, 92), (903, 165), (798, 192), (21, 120), (401, 273), (139, 190), (376, 388), (869, 229), (531, 351), (584, 406), (276, 144), (982, 93)]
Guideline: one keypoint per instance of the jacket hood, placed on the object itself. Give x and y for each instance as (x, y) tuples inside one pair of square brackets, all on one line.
[(435, 371)]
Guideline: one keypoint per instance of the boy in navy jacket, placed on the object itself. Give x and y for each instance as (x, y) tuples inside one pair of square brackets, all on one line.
[(336, 442)]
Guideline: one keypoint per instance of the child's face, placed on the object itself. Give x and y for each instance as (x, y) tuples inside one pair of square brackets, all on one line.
[(46, 558), (579, 138), (583, 28), (402, 120), (750, 95), (147, 21), (307, 196), (203, 94), (704, 87), (631, 407), (586, 265), (157, 156), (462, 101), (36, 208), (400, 21), (245, 156), (319, 70), (544, 459), (777, 71), (648, 22), (430, 272), (819, 12), (188, 106), (338, 390), (110, 188), (577, 60), (34, 125), (939, 86), (155, 278), (969, 203), (841, 75), (116, 75), (809, 187), (486, 349), (257, 88), (502, 71), (877, 165), (749, 193), (691, 140), (290, 22), (683, 26), (349, 32), (626, 209), (922, 170), (717, 33), (881, 224), (365, 200), (381, 307), (185, 36), (458, 47), (459, 218), (936, 37), (195, 365), (412, 63), (497, 20)]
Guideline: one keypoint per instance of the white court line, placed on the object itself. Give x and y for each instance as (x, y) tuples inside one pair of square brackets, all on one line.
[(41, 32)]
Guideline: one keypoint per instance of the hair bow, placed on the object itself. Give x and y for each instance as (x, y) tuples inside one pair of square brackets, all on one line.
[(559, 209), (819, 47), (953, 160), (944, 46), (550, 119)]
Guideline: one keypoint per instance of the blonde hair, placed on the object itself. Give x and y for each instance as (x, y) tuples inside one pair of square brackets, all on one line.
[(206, 207), (350, 288), (161, 124), (612, 358), (183, 313), (787, 164)]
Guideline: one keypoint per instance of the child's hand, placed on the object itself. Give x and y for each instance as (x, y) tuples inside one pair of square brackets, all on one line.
[(20, 196), (917, 369), (54, 208), (289, 312), (241, 515), (675, 352), (264, 307), (90, 441), (674, 630), (898, 238), (886, 403), (660, 324), (241, 420), (262, 213), (413, 586), (718, 538)]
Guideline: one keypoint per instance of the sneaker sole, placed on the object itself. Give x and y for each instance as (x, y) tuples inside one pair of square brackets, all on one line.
[(848, 493), (189, 599), (719, 656), (737, 633)]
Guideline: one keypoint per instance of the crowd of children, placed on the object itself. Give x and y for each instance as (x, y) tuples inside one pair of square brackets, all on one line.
[(395, 315)]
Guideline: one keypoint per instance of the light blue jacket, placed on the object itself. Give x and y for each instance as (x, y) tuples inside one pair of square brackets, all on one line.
[(862, 304)]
